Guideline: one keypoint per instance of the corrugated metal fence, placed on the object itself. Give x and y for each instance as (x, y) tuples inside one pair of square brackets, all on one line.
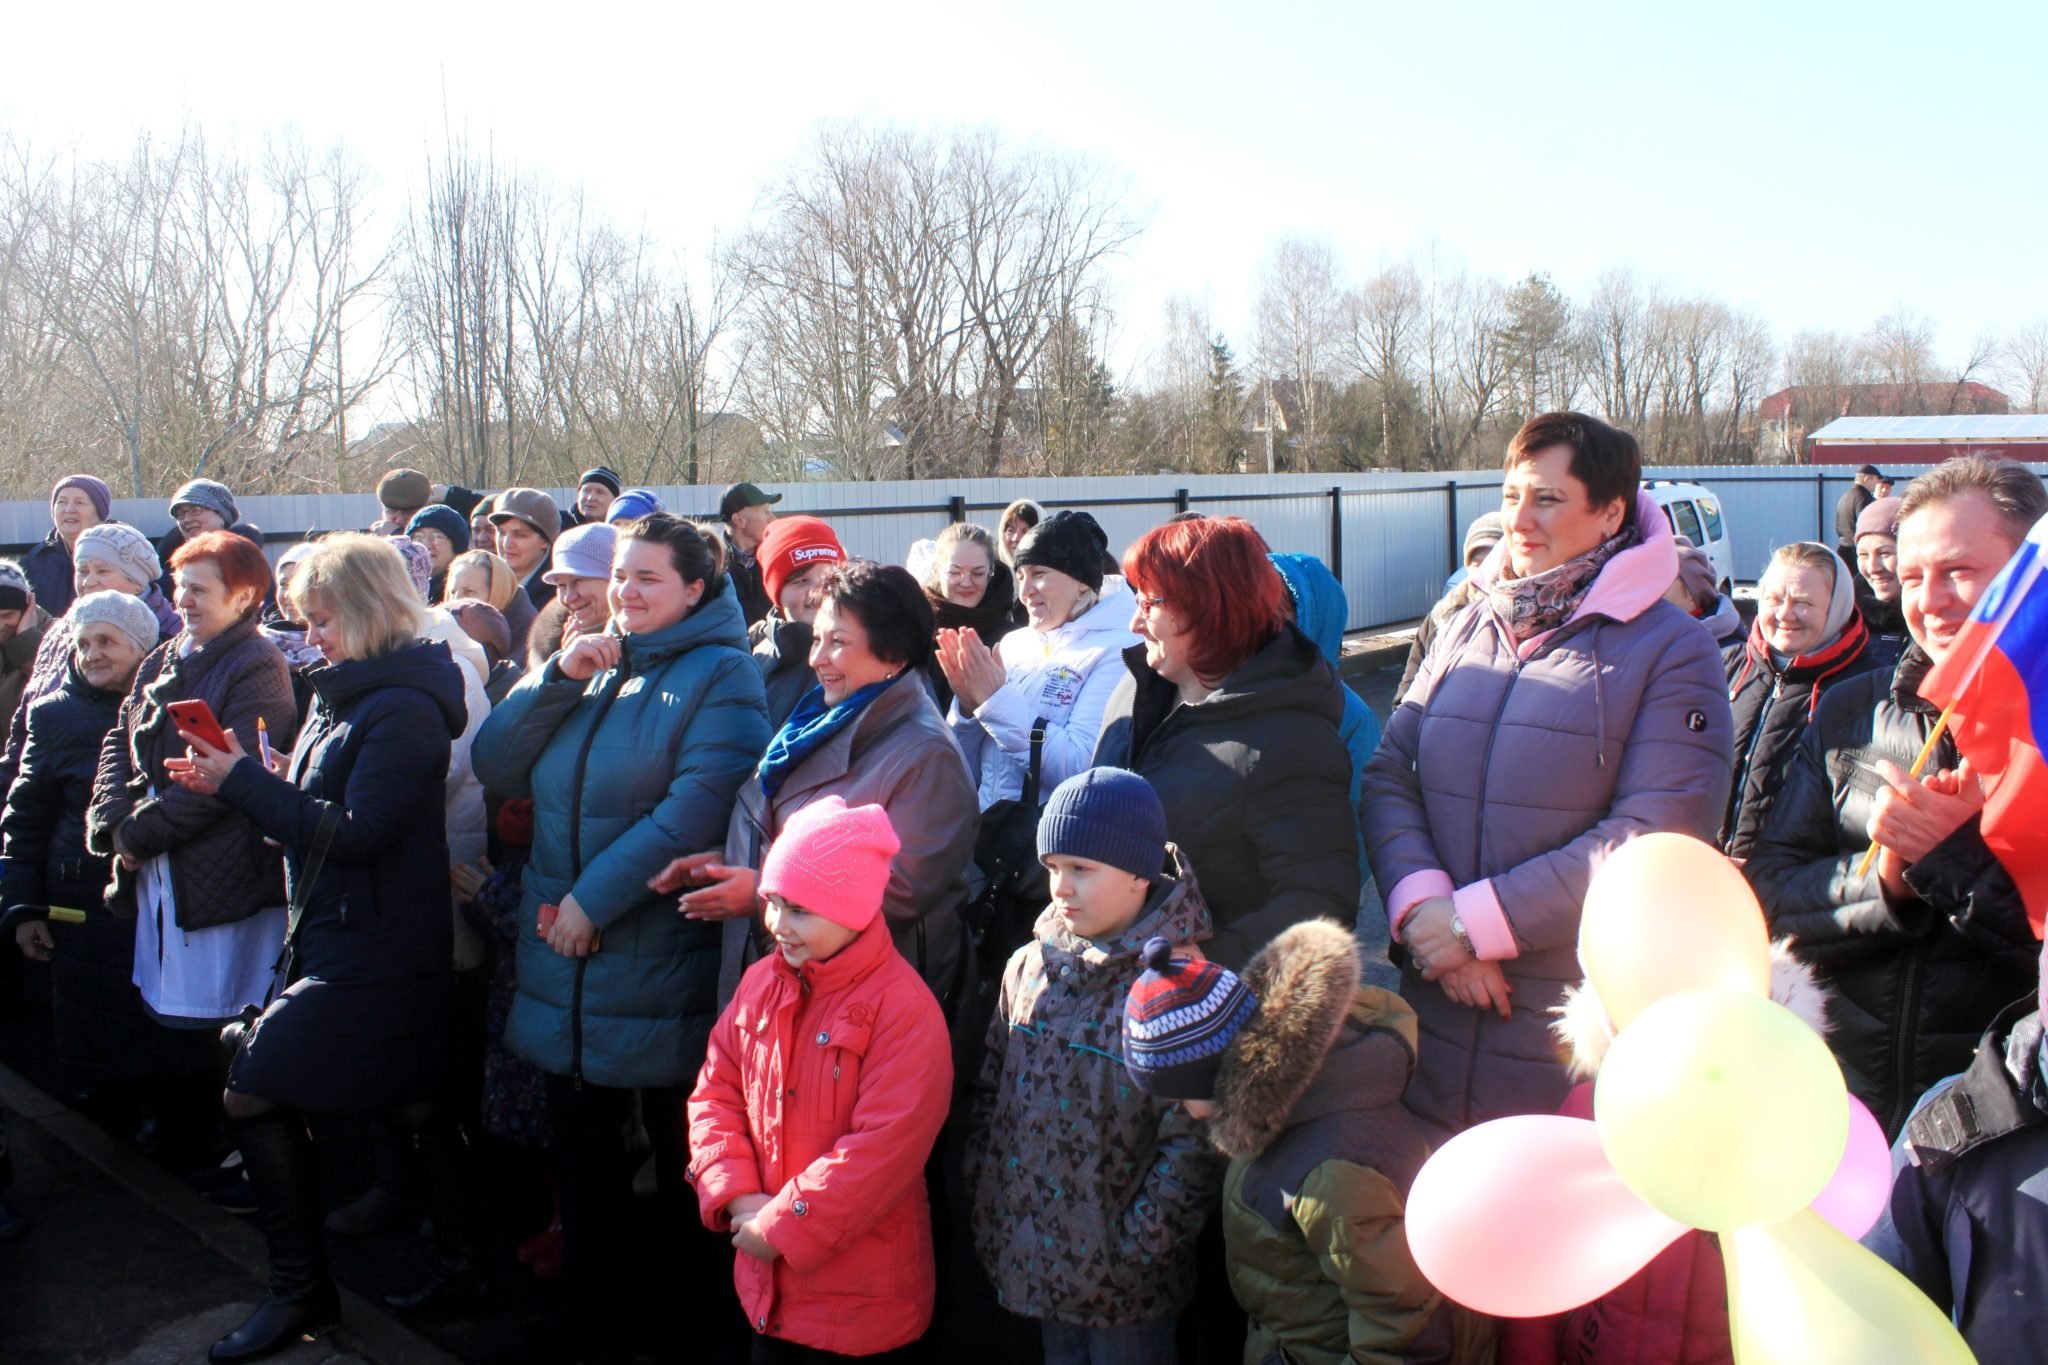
[(1392, 538)]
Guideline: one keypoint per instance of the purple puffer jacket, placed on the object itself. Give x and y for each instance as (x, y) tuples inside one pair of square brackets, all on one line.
[(1507, 773)]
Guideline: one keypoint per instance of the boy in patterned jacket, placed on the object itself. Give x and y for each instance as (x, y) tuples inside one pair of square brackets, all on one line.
[(1089, 1193)]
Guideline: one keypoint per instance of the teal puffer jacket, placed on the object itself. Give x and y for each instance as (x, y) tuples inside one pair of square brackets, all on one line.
[(634, 768)]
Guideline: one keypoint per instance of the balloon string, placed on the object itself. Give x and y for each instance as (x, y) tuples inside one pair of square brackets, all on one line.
[(1926, 752)]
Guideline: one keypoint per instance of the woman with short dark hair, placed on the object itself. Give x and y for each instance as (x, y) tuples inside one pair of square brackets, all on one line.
[(1233, 714), (630, 743), (1570, 708), (869, 734)]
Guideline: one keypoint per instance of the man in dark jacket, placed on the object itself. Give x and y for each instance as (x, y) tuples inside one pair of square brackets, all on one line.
[(201, 506), (1965, 1209), (1926, 948), (1849, 506), (744, 510)]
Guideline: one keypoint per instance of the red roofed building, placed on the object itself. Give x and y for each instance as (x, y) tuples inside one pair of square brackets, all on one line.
[(1789, 415)]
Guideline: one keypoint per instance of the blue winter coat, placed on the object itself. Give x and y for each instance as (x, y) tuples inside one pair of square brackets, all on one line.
[(1970, 1233), (49, 571), (1322, 611), (636, 767)]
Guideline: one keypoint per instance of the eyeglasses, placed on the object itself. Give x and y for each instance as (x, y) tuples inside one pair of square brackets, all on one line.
[(1151, 604), (967, 575)]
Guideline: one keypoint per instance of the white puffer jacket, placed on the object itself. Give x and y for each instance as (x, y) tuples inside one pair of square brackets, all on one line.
[(1065, 675)]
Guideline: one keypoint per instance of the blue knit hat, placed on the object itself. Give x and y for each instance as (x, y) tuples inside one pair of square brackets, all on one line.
[(1181, 1017), (1106, 815), (439, 516), (633, 504)]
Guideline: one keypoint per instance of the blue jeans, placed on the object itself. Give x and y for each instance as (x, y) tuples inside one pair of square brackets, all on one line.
[(1148, 1343)]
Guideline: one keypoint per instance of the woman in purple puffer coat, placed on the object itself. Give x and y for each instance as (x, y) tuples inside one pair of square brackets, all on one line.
[(1566, 710)]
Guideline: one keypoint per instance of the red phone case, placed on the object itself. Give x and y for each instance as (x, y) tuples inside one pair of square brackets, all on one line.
[(546, 918), (196, 717)]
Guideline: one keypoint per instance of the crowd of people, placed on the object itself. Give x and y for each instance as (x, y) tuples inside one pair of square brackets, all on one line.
[(976, 939)]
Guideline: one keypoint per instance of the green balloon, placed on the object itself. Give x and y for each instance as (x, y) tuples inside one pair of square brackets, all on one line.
[(1722, 1110)]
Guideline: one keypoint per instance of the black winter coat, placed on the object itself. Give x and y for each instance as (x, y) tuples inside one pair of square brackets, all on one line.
[(1916, 983), (49, 571), (363, 1022), (1257, 787), (221, 870), (782, 651), (1772, 705), (745, 572), (102, 1033)]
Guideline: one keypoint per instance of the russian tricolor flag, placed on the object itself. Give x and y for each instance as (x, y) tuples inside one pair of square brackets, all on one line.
[(1996, 677)]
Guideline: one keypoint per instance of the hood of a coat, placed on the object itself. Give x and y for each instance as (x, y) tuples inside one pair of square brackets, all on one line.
[(443, 628), (1319, 1043), (425, 667), (845, 968), (1111, 615), (1630, 584), (716, 621), (1320, 607), (1583, 1027), (1724, 622), (1175, 912), (1289, 673), (1907, 677), (783, 642)]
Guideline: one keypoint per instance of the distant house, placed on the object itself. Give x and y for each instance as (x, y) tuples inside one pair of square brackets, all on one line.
[(1886, 441), (1788, 417)]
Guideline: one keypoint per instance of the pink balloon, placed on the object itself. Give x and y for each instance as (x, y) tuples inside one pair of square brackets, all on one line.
[(1523, 1217), (1862, 1182)]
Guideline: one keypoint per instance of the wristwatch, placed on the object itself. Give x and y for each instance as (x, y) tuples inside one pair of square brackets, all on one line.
[(1464, 939)]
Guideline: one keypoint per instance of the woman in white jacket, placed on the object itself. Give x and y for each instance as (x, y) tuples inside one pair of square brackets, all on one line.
[(1061, 670)]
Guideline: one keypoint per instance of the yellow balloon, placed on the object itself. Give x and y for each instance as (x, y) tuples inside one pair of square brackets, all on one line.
[(1722, 1110), (1800, 1293), (1667, 913)]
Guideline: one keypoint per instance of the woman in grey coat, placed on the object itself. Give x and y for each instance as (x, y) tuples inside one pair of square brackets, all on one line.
[(1566, 710)]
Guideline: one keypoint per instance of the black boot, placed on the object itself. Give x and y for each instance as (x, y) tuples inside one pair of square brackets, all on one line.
[(457, 1280), (277, 1153), (383, 1207)]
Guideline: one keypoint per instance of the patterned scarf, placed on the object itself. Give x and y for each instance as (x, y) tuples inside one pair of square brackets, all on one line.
[(809, 726), (1544, 601)]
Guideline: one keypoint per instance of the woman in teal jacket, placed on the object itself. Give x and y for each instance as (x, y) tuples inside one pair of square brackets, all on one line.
[(631, 744)]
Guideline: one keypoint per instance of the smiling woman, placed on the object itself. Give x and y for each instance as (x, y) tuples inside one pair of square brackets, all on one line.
[(1570, 708)]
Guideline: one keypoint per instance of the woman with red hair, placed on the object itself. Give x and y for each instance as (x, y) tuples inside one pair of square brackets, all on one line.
[(1232, 714)]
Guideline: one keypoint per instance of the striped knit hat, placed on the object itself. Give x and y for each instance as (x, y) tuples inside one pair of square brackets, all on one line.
[(1181, 1018)]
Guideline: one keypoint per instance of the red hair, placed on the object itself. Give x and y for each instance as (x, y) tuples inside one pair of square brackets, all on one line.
[(238, 559), (1214, 575)]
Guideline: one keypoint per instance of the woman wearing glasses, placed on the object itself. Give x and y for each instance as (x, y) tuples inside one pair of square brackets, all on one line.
[(970, 588)]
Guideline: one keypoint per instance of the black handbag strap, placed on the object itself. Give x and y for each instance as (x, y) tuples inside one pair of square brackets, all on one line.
[(1030, 801), (302, 890)]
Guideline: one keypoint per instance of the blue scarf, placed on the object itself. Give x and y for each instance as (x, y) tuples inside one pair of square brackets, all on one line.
[(808, 727)]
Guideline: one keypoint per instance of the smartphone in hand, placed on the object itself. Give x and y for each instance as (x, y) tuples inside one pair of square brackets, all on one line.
[(547, 918), (197, 718)]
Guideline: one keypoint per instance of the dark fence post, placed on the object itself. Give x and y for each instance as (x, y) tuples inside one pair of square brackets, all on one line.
[(1820, 506), (1180, 501), (1451, 537), (1337, 532), (956, 507)]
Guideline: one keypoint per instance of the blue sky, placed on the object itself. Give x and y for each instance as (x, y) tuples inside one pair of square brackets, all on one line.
[(1817, 163)]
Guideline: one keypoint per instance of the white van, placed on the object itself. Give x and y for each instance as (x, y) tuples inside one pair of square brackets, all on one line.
[(1695, 513)]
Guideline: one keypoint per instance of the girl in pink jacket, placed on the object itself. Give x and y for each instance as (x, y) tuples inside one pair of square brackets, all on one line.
[(826, 1083)]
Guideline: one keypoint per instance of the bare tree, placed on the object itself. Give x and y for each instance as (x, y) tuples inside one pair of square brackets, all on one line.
[(2024, 364), (1300, 329), (1382, 317)]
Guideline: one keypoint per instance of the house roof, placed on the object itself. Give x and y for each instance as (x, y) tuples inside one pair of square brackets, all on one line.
[(1883, 400), (1981, 428)]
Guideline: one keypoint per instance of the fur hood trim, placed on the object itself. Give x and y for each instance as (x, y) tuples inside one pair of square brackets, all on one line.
[(1583, 1027), (1305, 980)]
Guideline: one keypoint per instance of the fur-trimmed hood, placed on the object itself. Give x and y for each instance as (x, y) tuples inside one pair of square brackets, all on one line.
[(1319, 1043), (1582, 1024)]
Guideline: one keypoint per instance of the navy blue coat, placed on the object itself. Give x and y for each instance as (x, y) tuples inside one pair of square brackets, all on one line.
[(1973, 1234), (49, 570), (363, 1023)]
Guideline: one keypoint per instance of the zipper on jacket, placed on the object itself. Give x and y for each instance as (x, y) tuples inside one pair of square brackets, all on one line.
[(1903, 1093), (576, 1026), (1492, 734), (604, 706), (1756, 736)]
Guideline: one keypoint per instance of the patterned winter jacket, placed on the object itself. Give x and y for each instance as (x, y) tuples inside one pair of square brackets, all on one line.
[(1088, 1193)]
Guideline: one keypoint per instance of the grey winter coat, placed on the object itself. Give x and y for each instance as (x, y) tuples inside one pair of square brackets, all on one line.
[(901, 756), (1504, 776), (634, 768)]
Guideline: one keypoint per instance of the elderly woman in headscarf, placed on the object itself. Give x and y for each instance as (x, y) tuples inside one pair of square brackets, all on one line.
[(483, 576), (1808, 636)]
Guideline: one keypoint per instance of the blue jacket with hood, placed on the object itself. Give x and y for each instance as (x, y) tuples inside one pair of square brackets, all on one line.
[(1321, 610), (627, 771)]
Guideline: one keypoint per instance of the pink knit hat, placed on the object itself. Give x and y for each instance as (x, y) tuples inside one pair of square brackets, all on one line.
[(833, 860)]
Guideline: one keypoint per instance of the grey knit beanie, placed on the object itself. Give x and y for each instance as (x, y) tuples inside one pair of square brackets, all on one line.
[(129, 615), (206, 493), (122, 546)]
